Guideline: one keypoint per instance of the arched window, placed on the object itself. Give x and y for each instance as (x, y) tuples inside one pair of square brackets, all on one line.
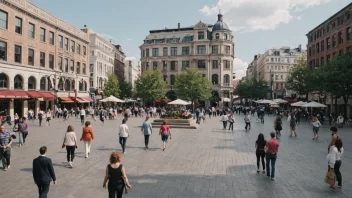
[(42, 84), (217, 36), (61, 84), (215, 79), (50, 84), (226, 80), (18, 82), (85, 86), (73, 85), (172, 79), (225, 36), (67, 85), (80, 86), (3, 81), (31, 83)]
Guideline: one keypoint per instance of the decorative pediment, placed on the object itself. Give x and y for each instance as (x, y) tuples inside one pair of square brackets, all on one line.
[(201, 25)]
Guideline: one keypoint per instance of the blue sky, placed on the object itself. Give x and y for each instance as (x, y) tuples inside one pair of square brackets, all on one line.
[(258, 25)]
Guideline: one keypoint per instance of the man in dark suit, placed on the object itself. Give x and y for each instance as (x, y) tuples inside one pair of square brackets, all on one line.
[(43, 173)]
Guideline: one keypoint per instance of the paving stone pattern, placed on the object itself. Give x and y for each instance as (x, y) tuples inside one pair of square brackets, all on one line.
[(203, 162)]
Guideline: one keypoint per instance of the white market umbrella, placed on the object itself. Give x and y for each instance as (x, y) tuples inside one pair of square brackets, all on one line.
[(298, 104), (279, 100), (111, 99), (266, 102), (130, 100), (178, 102), (314, 104), (227, 100)]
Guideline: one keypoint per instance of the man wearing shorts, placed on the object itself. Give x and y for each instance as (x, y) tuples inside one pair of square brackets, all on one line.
[(164, 132)]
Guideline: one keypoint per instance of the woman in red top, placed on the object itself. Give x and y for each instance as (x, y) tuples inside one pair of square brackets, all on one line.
[(164, 132)]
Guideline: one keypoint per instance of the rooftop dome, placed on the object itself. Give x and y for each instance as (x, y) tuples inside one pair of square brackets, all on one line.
[(220, 25)]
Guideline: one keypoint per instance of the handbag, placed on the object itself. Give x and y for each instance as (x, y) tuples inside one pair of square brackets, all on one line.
[(330, 177)]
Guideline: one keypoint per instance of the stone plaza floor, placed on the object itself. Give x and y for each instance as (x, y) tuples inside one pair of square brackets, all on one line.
[(203, 162)]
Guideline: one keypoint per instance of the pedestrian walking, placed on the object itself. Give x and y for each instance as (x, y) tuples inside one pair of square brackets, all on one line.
[(40, 117), (70, 142), (335, 155), (147, 131), (87, 138), (43, 173), (278, 126), (272, 147), (247, 120), (65, 114), (334, 137), (123, 135), (165, 133), (102, 116), (231, 121), (293, 124), (17, 119), (22, 131), (92, 113), (48, 117), (5, 147), (197, 116), (116, 175), (224, 120), (82, 114), (316, 124), (260, 151)]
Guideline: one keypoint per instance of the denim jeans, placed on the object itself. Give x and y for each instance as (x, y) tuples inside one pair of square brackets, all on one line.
[(225, 124), (123, 143), (337, 172), (270, 158), (20, 138)]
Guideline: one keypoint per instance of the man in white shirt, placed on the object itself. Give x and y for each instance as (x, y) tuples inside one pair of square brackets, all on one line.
[(82, 113), (247, 120), (123, 133), (224, 120)]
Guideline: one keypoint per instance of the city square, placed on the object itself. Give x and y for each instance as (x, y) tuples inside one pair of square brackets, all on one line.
[(203, 162)]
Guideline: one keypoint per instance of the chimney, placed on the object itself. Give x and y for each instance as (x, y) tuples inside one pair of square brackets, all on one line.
[(179, 25)]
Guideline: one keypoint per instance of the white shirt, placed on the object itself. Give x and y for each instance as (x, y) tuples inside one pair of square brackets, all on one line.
[(82, 112), (224, 118), (123, 130), (249, 118), (340, 119), (334, 155), (70, 138)]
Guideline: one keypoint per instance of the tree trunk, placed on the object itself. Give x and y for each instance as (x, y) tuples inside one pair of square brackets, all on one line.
[(336, 111), (307, 94), (346, 101)]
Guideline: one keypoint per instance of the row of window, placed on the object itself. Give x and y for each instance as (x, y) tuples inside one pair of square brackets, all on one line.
[(214, 79), (280, 60), (334, 41), (201, 36), (324, 60), (201, 49), (277, 67), (42, 31), (201, 64)]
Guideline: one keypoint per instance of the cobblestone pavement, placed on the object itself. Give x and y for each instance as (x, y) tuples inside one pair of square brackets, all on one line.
[(203, 162)]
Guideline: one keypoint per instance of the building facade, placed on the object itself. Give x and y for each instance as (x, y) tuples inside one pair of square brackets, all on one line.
[(101, 61), (41, 58), (119, 64), (133, 71), (209, 48), (252, 71), (274, 67), (331, 38)]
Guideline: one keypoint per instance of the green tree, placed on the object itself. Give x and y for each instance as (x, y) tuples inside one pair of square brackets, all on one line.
[(150, 85), (254, 89), (112, 86), (171, 95), (125, 89), (300, 79), (191, 85)]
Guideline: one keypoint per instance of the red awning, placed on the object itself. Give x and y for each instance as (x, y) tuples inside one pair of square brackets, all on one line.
[(79, 100), (34, 94), (48, 95), (13, 94), (66, 100), (6, 94), (87, 98)]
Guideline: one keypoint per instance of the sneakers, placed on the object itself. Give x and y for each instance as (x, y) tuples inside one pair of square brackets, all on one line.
[(258, 171), (272, 179), (8, 166)]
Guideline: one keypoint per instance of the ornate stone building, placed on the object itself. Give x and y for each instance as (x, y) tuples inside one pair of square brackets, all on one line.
[(209, 48), (41, 58)]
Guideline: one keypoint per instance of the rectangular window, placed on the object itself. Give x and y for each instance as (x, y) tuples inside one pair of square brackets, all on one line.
[(18, 27), (215, 64), (322, 46), (42, 34), (42, 59), (215, 49), (3, 50), (201, 49), (66, 43), (31, 30), (349, 34), (334, 40), (226, 64), (340, 38), (185, 64), (84, 69), (328, 58), (18, 54), (341, 52), (174, 51), (185, 50), (328, 43), (60, 38), (201, 64), (200, 35), (155, 52), (72, 65), (317, 47), (72, 46), (66, 65), (348, 49), (84, 50), (78, 67), (147, 52), (322, 61), (3, 19), (227, 49), (78, 48), (51, 38), (31, 57), (173, 65), (164, 51), (51, 61), (60, 63)]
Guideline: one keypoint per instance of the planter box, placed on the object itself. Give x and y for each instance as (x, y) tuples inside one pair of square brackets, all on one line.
[(176, 123)]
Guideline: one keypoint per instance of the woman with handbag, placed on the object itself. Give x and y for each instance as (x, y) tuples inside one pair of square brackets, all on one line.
[(335, 155), (116, 174), (70, 141)]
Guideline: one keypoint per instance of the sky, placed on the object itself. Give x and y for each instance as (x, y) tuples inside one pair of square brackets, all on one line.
[(257, 25)]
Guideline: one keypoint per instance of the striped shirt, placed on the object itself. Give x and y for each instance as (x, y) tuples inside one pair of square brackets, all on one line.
[(4, 138)]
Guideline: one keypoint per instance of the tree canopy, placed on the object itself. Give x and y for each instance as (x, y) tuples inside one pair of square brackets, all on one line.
[(253, 88), (150, 85), (125, 89), (112, 86)]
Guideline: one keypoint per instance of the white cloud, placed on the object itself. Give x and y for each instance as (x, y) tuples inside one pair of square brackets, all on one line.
[(252, 15), (239, 68)]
